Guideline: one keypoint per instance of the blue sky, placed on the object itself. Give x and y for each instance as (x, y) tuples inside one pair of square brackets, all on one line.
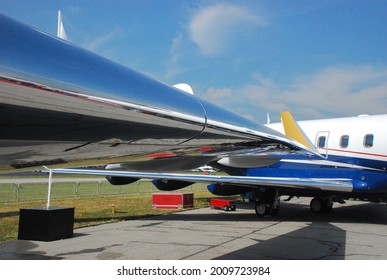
[(317, 59)]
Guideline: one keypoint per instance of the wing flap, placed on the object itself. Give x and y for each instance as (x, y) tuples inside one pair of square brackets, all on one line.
[(329, 184)]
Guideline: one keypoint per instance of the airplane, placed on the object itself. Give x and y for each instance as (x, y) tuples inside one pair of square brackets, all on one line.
[(353, 148), (64, 107), (354, 156)]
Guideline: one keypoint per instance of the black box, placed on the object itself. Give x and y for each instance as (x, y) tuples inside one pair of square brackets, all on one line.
[(44, 224)]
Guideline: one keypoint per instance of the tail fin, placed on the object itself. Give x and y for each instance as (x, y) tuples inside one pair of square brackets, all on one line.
[(268, 121), (61, 31), (294, 131)]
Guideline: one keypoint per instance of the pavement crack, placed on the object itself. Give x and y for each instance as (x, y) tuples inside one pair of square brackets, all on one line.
[(231, 240)]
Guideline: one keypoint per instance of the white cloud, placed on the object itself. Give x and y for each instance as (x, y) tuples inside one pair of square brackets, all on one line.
[(216, 95), (341, 90), (344, 90), (177, 53), (102, 41), (213, 27), (175, 49)]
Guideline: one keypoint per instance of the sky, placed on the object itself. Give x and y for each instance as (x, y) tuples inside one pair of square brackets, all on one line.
[(316, 59)]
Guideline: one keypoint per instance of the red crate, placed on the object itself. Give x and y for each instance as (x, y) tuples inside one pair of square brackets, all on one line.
[(224, 204), (172, 200)]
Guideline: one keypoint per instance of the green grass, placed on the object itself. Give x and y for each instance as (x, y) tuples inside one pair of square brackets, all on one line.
[(38, 191), (90, 208)]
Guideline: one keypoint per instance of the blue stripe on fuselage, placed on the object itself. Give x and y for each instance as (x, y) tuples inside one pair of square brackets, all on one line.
[(364, 181)]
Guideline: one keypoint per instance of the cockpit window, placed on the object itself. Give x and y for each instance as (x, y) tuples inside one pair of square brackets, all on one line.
[(368, 140), (344, 141)]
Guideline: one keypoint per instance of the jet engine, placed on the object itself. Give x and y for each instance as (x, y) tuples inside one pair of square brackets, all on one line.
[(170, 185), (222, 189), (117, 181)]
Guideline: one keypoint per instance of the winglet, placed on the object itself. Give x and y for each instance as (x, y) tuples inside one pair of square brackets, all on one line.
[(294, 131)]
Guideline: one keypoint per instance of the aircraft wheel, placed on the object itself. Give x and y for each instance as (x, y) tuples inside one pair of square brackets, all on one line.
[(321, 204), (317, 205), (261, 209)]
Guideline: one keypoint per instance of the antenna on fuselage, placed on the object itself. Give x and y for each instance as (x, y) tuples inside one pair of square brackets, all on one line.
[(184, 87)]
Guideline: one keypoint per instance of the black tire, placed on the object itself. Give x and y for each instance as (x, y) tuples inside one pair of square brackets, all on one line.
[(261, 209), (317, 205)]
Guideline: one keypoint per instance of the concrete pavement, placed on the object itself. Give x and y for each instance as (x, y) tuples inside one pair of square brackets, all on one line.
[(356, 230)]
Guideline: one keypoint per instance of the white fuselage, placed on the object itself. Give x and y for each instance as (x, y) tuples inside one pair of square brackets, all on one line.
[(363, 137)]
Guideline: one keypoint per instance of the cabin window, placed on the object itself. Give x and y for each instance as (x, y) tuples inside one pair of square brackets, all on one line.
[(321, 142), (344, 141), (368, 140)]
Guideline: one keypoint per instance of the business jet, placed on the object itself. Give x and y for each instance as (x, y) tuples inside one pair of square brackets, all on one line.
[(353, 148), (353, 163), (64, 107)]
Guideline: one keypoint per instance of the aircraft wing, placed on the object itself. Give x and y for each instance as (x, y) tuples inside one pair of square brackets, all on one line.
[(63, 106), (326, 184)]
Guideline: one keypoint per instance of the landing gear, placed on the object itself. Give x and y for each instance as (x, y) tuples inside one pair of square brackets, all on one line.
[(268, 204), (262, 209), (321, 204)]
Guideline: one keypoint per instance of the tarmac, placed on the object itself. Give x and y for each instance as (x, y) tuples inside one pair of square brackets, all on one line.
[(353, 231)]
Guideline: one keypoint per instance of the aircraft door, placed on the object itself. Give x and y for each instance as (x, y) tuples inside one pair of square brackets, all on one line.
[(322, 142)]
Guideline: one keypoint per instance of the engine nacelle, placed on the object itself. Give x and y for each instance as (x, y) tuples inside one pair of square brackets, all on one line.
[(219, 189), (170, 185), (118, 181)]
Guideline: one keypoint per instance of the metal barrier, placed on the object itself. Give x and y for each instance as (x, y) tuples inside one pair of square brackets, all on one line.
[(74, 188)]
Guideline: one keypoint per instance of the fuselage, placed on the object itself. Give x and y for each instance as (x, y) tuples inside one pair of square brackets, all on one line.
[(353, 148), (354, 140)]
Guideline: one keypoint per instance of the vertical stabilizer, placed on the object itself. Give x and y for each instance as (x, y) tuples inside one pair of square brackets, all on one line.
[(268, 121), (61, 31), (293, 131)]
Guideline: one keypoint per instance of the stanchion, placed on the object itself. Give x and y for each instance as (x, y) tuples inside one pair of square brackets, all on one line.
[(46, 223)]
